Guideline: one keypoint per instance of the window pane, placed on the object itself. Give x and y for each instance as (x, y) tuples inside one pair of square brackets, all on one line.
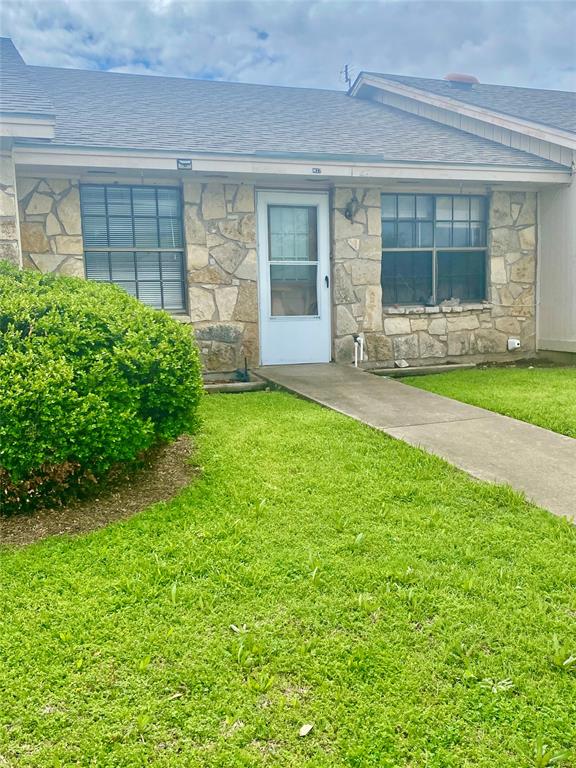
[(443, 209), (150, 292), (424, 207), (171, 266), (119, 201), (148, 265), (388, 206), (170, 233), (406, 236), (146, 233), (93, 201), (425, 234), (389, 234), (173, 292), (97, 267), (443, 234), (122, 264), (292, 233), (168, 202), (461, 275), (293, 289), (477, 234), (461, 207), (120, 232), (406, 206), (477, 208), (460, 234), (95, 231), (144, 201), (406, 277)]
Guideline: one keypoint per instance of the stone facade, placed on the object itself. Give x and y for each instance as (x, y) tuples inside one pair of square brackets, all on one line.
[(220, 232), (9, 240), (51, 226), (221, 261), (420, 335)]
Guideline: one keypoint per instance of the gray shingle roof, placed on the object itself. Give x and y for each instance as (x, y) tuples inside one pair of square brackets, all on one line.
[(553, 108), (101, 109), (19, 94)]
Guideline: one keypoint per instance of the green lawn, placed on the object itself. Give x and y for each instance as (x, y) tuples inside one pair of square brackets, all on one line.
[(413, 616), (542, 396)]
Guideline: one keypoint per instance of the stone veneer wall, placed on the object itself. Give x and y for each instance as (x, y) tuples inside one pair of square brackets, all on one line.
[(50, 225), (220, 230), (468, 332), (9, 242)]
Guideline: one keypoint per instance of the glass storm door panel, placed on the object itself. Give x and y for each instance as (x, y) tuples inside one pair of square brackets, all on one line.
[(294, 288)]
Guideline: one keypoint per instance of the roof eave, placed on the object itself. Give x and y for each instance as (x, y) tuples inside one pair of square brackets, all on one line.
[(319, 166)]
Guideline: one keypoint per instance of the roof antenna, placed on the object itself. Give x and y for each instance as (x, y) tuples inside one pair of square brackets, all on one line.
[(346, 75)]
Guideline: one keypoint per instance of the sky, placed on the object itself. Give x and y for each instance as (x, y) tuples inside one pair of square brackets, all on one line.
[(302, 42)]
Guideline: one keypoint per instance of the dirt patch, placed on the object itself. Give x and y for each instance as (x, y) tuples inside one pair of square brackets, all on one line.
[(167, 470)]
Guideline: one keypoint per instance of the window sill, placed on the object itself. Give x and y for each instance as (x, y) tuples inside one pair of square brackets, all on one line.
[(473, 306)]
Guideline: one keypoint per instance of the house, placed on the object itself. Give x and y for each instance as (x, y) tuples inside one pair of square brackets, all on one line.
[(436, 219)]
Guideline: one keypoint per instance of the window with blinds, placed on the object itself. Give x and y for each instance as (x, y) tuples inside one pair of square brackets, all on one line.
[(433, 248), (133, 238)]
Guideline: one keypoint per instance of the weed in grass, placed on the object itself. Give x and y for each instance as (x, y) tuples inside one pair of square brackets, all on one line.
[(562, 657), (544, 756), (261, 681)]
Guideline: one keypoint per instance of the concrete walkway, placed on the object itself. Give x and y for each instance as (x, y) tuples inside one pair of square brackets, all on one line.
[(488, 446)]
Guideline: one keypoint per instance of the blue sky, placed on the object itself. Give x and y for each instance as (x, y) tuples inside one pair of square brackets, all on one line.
[(299, 42)]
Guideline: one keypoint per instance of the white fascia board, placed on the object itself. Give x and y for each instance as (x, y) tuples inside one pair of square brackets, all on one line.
[(77, 158), (26, 127), (528, 128)]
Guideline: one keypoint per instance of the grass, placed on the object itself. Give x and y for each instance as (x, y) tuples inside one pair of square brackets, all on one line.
[(542, 396), (317, 573)]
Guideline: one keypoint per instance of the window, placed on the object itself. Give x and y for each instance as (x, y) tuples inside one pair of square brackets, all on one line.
[(133, 238), (433, 248)]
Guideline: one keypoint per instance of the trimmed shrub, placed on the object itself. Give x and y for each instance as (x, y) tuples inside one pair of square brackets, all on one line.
[(89, 378)]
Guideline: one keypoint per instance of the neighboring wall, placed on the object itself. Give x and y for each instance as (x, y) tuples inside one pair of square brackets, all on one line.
[(557, 272), (420, 335), (9, 242)]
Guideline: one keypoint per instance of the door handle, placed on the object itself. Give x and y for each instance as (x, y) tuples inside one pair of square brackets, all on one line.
[(327, 281)]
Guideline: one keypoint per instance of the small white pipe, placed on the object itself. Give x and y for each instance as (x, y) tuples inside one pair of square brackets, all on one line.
[(358, 349)]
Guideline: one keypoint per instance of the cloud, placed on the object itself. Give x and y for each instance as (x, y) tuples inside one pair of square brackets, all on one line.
[(295, 42)]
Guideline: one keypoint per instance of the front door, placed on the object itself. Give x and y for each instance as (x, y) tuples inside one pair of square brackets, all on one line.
[(294, 277)]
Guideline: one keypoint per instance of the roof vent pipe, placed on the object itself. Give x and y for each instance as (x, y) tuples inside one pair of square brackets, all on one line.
[(458, 80)]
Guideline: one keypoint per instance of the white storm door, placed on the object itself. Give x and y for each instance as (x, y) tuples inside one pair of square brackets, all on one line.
[(294, 277)]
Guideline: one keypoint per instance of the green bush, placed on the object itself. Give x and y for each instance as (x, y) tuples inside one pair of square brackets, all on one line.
[(89, 378)]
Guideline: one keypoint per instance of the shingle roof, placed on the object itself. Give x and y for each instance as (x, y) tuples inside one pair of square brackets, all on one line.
[(19, 94), (553, 108), (101, 109)]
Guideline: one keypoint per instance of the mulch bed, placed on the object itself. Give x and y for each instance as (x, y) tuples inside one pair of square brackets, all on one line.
[(167, 470)]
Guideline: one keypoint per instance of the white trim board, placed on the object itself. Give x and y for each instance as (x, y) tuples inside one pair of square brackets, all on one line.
[(138, 160)]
